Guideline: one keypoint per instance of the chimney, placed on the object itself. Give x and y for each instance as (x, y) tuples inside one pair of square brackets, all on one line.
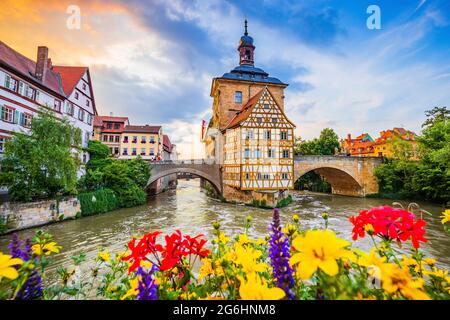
[(349, 136), (49, 64), (41, 63)]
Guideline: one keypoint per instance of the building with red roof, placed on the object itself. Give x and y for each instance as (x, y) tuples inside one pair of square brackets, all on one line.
[(28, 85)]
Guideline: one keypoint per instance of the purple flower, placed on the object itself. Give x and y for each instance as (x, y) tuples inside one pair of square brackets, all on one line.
[(147, 286), (32, 288), (279, 256), (15, 248)]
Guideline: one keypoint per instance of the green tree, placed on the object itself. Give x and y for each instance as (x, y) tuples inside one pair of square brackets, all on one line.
[(401, 149), (117, 177), (428, 178), (326, 144), (43, 163), (138, 171), (98, 155), (435, 115)]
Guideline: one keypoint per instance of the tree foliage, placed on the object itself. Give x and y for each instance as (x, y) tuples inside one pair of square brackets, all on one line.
[(326, 144), (43, 163), (429, 178), (126, 178)]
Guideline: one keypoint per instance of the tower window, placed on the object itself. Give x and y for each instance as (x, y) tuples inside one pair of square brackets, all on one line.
[(247, 54), (238, 97)]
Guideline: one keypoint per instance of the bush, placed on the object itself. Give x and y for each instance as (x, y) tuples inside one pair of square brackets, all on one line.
[(99, 201), (284, 202)]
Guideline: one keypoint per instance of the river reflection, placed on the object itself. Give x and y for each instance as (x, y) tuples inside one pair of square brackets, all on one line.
[(189, 210)]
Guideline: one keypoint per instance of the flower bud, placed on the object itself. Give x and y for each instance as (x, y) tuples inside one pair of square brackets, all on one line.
[(249, 219), (296, 218), (216, 225), (325, 216)]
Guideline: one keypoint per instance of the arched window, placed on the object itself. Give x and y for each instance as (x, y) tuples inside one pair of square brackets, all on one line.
[(238, 97)]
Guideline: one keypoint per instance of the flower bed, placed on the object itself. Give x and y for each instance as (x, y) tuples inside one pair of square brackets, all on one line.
[(290, 263)]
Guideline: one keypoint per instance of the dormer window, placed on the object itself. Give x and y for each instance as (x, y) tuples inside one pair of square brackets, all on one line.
[(238, 97)]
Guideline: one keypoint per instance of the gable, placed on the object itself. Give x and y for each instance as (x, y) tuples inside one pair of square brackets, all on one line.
[(269, 112)]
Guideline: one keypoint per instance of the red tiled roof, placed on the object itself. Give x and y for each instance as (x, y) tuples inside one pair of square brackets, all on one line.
[(98, 120), (245, 111), (145, 129), (166, 143), (27, 67), (70, 76)]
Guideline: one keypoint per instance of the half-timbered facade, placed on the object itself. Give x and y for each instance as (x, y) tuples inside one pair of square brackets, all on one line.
[(259, 146)]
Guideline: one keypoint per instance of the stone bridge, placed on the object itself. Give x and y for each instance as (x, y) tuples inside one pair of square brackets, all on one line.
[(351, 176), (205, 169)]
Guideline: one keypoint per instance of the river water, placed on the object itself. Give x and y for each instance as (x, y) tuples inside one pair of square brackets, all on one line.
[(190, 210)]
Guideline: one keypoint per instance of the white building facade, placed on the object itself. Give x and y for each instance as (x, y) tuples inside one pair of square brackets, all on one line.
[(26, 86)]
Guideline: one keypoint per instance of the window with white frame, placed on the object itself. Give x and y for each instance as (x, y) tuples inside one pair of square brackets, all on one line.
[(247, 154), (267, 135), (283, 135), (26, 120), (81, 114), (57, 105), (30, 92), (77, 95), (284, 176), (2, 144), (87, 103), (238, 97), (270, 153), (7, 114), (10, 83), (285, 153), (249, 134), (89, 119)]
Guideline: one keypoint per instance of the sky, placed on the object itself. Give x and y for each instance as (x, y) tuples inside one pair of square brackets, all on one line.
[(154, 60)]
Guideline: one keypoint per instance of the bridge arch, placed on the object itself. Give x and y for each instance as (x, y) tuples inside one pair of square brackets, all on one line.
[(351, 176), (341, 181), (175, 170)]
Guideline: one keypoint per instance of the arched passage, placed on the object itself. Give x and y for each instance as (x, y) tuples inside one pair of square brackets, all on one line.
[(169, 171), (341, 182)]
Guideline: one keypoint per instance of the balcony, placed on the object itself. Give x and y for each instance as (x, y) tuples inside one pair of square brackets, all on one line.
[(134, 141), (124, 153), (142, 153), (125, 141), (152, 141), (133, 153), (143, 141)]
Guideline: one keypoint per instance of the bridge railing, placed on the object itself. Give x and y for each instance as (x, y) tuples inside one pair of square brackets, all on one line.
[(188, 161)]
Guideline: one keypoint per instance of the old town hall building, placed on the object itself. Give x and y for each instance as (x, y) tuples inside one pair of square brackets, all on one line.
[(249, 134)]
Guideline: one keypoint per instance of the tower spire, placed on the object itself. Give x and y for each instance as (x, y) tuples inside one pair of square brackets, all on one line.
[(245, 33)]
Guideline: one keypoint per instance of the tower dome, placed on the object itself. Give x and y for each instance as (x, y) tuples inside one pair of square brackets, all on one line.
[(246, 48)]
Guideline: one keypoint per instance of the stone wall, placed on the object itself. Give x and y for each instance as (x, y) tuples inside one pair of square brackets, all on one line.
[(249, 89), (270, 198), (19, 215)]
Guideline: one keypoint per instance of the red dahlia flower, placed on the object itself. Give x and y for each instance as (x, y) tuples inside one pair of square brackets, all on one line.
[(389, 223), (165, 257)]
